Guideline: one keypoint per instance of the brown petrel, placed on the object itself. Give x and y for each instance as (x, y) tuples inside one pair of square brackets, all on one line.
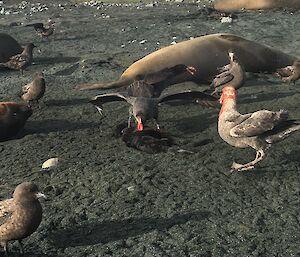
[(20, 61), (258, 130), (42, 31), (35, 90), (21, 215), (290, 73)]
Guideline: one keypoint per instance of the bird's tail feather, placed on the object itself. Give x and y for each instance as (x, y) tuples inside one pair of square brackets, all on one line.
[(283, 131)]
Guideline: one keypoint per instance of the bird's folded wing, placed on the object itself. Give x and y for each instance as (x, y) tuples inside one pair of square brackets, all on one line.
[(222, 79), (258, 123), (6, 210)]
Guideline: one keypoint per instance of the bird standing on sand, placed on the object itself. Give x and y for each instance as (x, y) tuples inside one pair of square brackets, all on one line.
[(13, 117), (231, 74), (42, 31), (21, 215), (290, 73), (35, 90), (20, 61), (257, 130)]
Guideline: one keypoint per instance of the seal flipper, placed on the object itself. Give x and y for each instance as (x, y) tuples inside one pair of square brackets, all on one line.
[(92, 86)]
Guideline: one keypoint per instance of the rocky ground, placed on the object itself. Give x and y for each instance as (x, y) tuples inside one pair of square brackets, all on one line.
[(106, 199)]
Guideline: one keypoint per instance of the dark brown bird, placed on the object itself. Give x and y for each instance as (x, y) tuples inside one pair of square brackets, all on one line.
[(290, 73), (146, 108), (231, 74), (42, 31), (13, 117), (35, 90), (258, 130), (20, 61), (21, 215)]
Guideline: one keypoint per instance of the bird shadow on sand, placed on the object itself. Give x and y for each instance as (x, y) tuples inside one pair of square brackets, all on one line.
[(55, 125), (53, 60), (67, 102), (109, 231), (15, 253), (263, 97), (196, 123)]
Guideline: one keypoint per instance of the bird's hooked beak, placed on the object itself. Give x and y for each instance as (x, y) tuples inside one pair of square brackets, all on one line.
[(40, 195), (192, 70), (140, 126)]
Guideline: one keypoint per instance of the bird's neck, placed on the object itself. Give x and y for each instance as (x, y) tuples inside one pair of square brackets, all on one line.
[(228, 101)]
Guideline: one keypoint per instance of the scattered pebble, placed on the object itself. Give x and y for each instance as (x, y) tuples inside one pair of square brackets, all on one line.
[(50, 163), (130, 188), (143, 41), (226, 20)]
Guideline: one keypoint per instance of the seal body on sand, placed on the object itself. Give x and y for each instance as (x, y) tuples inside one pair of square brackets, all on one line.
[(206, 54), (233, 5), (8, 47), (12, 118)]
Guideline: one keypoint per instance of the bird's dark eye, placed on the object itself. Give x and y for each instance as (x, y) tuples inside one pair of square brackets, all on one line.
[(14, 114)]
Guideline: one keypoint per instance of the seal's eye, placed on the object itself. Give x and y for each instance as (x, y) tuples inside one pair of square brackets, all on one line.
[(14, 114)]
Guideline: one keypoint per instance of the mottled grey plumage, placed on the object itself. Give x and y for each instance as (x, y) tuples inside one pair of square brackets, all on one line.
[(231, 74), (257, 130), (290, 73), (21, 215), (20, 61), (146, 108), (35, 90)]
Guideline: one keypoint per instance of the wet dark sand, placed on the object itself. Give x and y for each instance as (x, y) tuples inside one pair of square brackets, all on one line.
[(110, 200)]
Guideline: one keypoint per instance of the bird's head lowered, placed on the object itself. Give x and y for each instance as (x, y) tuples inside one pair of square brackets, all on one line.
[(140, 119)]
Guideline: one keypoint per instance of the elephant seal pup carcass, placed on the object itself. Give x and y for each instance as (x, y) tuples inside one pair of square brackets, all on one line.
[(233, 5), (205, 54), (8, 47), (12, 118)]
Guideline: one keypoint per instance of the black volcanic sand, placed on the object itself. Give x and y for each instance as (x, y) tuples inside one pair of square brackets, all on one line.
[(106, 199)]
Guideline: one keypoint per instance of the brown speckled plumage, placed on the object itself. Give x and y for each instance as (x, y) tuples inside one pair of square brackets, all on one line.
[(35, 90), (20, 61), (41, 30), (21, 215), (290, 73)]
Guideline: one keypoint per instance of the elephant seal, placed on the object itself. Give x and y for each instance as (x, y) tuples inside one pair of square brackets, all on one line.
[(234, 5), (13, 117), (8, 47), (206, 54)]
